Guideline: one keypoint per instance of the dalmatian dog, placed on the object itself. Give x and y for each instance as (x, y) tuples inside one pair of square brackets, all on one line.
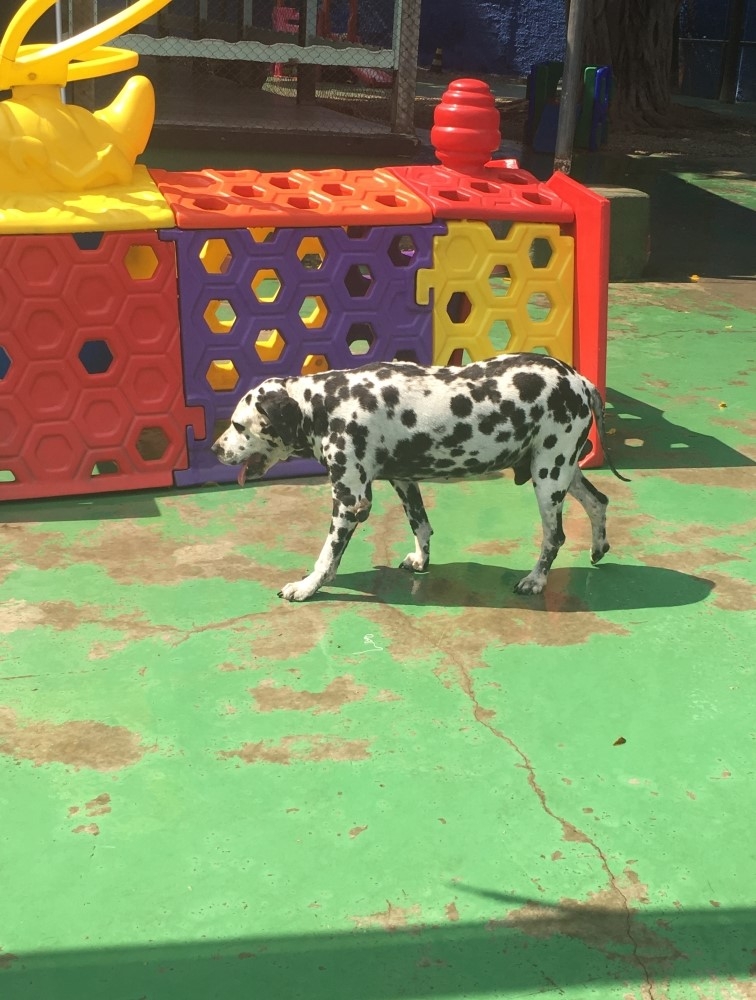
[(408, 423)]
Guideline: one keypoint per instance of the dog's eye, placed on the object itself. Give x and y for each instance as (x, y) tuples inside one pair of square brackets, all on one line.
[(239, 428)]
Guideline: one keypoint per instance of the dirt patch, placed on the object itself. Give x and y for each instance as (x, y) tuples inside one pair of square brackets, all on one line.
[(80, 744), (743, 478), (393, 918), (289, 630), (294, 749), (452, 913), (356, 831), (7, 959), (270, 697), (99, 805), (91, 828)]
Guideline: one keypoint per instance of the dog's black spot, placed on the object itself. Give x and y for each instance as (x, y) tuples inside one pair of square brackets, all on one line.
[(390, 395), (367, 399), (248, 398), (559, 460), (555, 472), (460, 434), (503, 436), (359, 435), (536, 414), (521, 470), (549, 441), (485, 389), (409, 418), (339, 458), (543, 473), (461, 406), (558, 496), (529, 385), (412, 451)]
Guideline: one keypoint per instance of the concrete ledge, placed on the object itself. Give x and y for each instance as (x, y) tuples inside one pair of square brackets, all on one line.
[(630, 240)]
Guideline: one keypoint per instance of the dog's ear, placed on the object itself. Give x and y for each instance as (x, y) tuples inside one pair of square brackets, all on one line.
[(283, 415)]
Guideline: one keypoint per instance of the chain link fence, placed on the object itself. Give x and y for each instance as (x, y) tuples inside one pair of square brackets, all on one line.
[(344, 67)]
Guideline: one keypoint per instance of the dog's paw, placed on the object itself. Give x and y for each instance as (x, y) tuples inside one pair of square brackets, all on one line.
[(530, 585), (598, 554), (298, 591), (414, 565)]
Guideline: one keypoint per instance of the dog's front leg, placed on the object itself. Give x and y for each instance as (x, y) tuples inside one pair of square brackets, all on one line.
[(349, 509)]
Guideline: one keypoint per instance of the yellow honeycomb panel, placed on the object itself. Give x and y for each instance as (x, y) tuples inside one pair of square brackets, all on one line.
[(462, 263)]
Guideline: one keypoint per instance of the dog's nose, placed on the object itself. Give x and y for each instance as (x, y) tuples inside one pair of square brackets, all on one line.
[(216, 448)]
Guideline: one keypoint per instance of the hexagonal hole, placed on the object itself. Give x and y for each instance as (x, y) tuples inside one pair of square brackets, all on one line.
[(315, 363), (311, 253), (540, 252), (222, 375), (5, 363), (459, 357), (313, 312), (500, 279), (96, 357), (356, 232), (141, 262), (459, 307), (219, 316), (284, 182), (500, 335), (262, 234), (106, 467), (266, 285), (539, 306), (500, 228), (402, 250), (360, 338), (337, 190), (358, 280), (539, 350), (269, 345), (407, 355), (454, 195), (215, 256), (152, 443)]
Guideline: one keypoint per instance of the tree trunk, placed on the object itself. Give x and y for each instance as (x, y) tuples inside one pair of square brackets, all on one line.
[(635, 38)]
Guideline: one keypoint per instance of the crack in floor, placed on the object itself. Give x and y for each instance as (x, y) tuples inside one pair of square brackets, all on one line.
[(569, 831)]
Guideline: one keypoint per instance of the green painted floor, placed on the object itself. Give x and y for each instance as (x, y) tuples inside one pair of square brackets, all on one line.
[(407, 788)]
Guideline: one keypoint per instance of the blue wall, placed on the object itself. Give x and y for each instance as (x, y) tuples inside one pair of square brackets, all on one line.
[(492, 36)]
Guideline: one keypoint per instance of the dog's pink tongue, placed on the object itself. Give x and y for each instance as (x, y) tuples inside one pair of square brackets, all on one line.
[(242, 477)]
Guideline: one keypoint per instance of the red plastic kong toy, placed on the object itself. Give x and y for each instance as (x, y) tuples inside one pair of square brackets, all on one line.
[(465, 129)]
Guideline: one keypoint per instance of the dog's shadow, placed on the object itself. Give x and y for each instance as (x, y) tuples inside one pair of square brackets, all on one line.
[(609, 587)]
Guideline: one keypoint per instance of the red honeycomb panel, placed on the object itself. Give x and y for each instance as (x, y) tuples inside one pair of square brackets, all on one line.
[(91, 391), (500, 191), (236, 199)]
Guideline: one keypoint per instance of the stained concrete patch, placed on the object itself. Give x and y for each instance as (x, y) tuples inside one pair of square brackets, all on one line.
[(79, 744), (297, 749), (90, 828), (270, 697), (393, 918)]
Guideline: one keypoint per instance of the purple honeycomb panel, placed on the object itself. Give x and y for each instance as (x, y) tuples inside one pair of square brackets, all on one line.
[(365, 282)]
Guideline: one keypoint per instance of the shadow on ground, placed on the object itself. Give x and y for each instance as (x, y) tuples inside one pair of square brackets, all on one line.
[(643, 438), (537, 947), (608, 587)]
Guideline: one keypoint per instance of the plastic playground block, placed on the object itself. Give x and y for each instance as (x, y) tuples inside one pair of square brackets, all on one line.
[(138, 205), (589, 315), (493, 296), (328, 298), (213, 199), (500, 190), (90, 389)]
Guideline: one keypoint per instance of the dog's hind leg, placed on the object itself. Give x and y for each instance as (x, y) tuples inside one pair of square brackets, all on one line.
[(594, 503), (414, 508), (350, 507), (550, 493)]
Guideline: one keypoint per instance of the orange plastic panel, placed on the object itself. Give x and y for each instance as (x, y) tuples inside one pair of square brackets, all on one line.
[(591, 232), (235, 199), (500, 191)]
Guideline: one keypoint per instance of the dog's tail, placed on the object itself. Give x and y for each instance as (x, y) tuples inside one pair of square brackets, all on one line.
[(597, 408)]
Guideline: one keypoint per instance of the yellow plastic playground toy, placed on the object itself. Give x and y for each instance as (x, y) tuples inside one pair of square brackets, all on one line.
[(62, 168)]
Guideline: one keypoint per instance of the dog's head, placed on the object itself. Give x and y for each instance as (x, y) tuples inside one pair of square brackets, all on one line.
[(264, 429)]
